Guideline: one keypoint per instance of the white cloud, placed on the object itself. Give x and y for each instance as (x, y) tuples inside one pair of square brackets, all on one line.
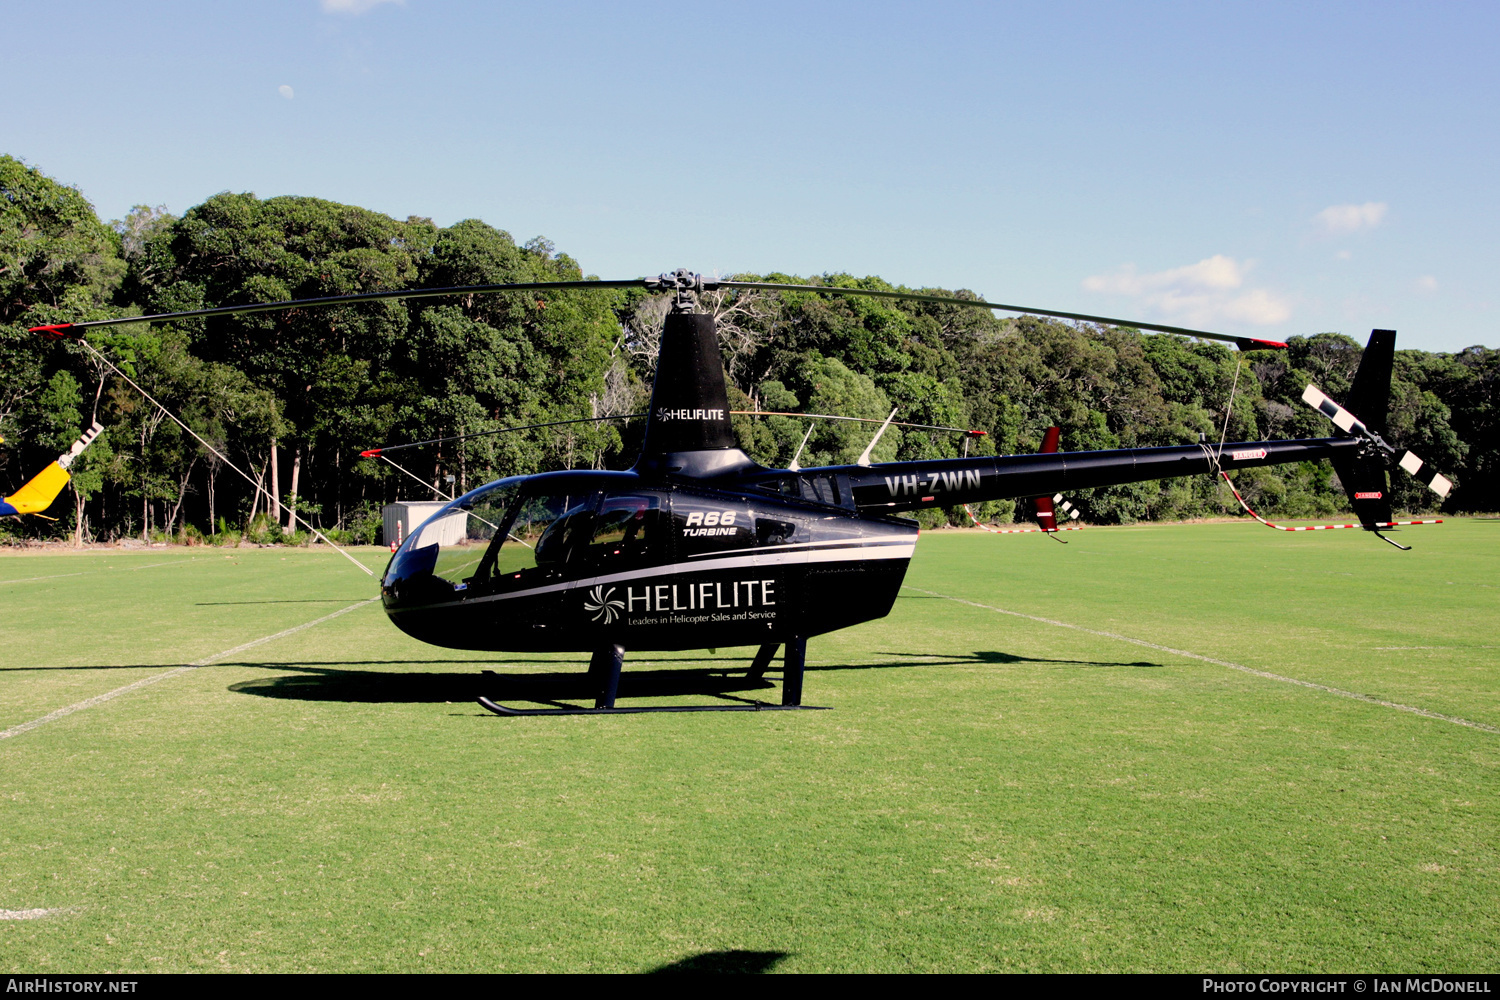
[(1257, 306), (353, 6), (1216, 272), (1343, 255), (285, 91), (1209, 291), (1336, 220), (1427, 283)]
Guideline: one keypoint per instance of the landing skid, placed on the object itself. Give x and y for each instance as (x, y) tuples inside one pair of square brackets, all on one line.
[(757, 706), (604, 672)]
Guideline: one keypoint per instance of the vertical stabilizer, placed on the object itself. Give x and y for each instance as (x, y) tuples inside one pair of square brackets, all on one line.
[(1369, 398), (1046, 515), (1364, 475)]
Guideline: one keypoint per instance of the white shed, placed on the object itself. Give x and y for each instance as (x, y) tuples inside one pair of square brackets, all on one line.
[(405, 516)]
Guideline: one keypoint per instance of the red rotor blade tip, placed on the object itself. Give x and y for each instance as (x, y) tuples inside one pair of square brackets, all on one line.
[(372, 453), (1261, 345), (53, 330)]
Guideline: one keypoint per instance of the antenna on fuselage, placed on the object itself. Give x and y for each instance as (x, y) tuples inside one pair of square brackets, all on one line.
[(864, 459), (796, 466)]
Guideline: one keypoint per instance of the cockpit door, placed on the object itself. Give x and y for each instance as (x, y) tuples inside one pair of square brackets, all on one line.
[(738, 568), (529, 567)]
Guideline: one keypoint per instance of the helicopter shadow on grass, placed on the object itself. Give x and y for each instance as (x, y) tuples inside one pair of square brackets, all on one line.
[(326, 682), (336, 681), (734, 962)]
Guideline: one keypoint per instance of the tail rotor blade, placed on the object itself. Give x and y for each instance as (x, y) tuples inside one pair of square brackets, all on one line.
[(1342, 418), (1426, 475), (1350, 424)]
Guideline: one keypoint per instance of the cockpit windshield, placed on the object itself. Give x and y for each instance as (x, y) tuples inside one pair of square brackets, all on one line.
[(537, 542), (443, 551)]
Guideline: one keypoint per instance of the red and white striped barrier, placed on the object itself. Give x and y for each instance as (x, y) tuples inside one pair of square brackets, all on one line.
[(1315, 527)]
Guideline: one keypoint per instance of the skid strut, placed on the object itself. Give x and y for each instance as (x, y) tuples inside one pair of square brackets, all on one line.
[(762, 661), (604, 671), (792, 665)]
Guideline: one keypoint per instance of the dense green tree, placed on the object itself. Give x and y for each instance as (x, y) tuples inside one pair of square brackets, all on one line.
[(291, 397), (57, 263)]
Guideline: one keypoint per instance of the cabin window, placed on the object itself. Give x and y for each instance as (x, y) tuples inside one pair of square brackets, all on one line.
[(626, 532), (821, 489), (785, 485), (442, 552)]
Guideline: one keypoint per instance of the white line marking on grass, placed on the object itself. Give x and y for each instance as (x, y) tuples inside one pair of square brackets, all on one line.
[(90, 572), (29, 914), (33, 579), (1384, 648), (1425, 713), (100, 699)]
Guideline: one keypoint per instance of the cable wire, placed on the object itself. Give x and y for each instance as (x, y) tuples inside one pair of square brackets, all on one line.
[(221, 456)]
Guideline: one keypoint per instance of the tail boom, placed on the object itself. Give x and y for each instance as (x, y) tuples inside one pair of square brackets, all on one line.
[(896, 487)]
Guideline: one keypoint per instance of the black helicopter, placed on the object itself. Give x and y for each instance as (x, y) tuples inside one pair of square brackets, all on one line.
[(698, 546)]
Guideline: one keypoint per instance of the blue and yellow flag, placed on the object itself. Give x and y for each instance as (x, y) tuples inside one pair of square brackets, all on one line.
[(37, 495)]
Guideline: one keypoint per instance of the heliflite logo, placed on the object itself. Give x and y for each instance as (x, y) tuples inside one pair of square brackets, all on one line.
[(723, 600), (1247, 454), (603, 604), (1368, 496), (663, 414)]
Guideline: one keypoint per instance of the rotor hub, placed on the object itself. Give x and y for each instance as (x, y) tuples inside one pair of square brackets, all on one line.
[(685, 286)]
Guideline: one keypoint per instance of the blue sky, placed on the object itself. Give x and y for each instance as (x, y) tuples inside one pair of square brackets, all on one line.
[(1263, 168)]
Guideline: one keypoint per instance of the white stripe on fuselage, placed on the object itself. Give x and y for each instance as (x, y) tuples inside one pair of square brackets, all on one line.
[(808, 545), (729, 560)]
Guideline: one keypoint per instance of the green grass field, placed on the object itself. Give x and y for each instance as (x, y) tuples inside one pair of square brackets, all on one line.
[(990, 792)]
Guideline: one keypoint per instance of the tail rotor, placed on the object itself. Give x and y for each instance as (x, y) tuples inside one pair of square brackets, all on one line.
[(1365, 473), (1377, 446)]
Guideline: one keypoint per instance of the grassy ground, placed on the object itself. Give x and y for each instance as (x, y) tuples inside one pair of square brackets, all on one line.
[(990, 791)]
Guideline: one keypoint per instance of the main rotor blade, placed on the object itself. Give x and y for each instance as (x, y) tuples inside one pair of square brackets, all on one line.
[(709, 284), (376, 452), (61, 329), (1244, 343), (860, 420)]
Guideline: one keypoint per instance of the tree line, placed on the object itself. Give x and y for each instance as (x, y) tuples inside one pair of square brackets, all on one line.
[(293, 397)]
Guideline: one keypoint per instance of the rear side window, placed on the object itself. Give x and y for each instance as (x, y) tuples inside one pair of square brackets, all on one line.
[(818, 489), (821, 489)]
